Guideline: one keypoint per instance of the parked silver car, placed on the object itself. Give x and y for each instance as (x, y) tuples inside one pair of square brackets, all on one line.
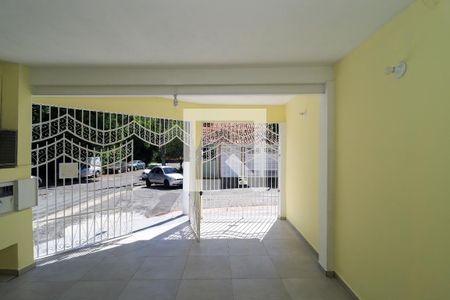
[(169, 176), (150, 166), (92, 167)]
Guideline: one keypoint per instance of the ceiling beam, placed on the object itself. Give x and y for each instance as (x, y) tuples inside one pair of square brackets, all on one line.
[(189, 81)]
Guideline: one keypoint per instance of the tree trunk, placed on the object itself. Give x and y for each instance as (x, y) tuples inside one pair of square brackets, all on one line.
[(163, 155)]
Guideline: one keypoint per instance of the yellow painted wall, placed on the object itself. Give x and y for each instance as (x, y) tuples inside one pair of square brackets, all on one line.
[(393, 159), (151, 106), (302, 166), (16, 241)]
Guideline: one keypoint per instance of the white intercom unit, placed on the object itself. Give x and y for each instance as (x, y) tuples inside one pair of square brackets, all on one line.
[(18, 195)]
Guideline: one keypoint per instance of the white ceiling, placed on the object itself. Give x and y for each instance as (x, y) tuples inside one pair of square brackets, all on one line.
[(187, 32)]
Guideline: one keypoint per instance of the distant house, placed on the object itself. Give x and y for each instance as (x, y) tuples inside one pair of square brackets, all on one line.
[(251, 154)]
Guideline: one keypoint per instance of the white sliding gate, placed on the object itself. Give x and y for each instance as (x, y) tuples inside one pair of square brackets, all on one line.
[(240, 163), (82, 161)]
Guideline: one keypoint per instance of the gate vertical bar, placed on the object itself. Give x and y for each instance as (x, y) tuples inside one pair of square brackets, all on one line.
[(46, 192), (79, 195), (64, 198), (132, 187), (87, 193), (55, 180), (37, 174), (71, 185)]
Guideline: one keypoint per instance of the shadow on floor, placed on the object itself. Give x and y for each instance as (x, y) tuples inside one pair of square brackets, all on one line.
[(237, 260)]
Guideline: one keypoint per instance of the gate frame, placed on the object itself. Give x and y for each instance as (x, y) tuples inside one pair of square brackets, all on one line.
[(280, 205), (195, 117)]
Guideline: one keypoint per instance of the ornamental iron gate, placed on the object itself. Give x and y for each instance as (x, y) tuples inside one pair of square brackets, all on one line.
[(240, 163), (82, 161)]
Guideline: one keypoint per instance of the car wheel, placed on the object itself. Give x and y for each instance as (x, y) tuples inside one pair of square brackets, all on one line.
[(148, 183), (166, 183), (97, 174)]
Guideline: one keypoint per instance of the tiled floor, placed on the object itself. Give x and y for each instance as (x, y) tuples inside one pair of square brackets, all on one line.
[(172, 265)]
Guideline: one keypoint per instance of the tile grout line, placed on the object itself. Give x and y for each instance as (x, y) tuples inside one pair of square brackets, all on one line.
[(231, 272), (184, 269), (276, 269)]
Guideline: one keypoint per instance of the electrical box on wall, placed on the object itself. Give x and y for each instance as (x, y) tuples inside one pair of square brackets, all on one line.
[(18, 195), (8, 150), (26, 196)]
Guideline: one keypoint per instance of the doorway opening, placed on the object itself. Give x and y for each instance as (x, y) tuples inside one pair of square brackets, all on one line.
[(240, 186)]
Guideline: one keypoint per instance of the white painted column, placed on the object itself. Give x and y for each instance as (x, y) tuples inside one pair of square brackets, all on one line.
[(282, 170), (186, 186), (189, 170), (326, 180)]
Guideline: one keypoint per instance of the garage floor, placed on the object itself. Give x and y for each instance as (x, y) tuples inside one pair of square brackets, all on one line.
[(165, 262)]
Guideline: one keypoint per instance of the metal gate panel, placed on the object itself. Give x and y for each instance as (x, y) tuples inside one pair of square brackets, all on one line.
[(94, 201), (240, 171), (84, 209)]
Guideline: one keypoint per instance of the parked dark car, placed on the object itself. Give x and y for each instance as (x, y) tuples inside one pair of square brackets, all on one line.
[(118, 167), (137, 165)]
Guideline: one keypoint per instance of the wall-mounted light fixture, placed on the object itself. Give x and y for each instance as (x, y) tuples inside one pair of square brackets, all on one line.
[(398, 70), (303, 114), (175, 100)]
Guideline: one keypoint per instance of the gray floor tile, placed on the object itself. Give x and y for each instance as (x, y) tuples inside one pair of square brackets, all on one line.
[(282, 225), (154, 270), (205, 290), (207, 267), (280, 234), (127, 249), (258, 289), (322, 288), (68, 270), (86, 290), (113, 268), (11, 284), (210, 247), (252, 267), (287, 247), (37, 291), (166, 248), (161, 268), (296, 266), (5, 278), (246, 247), (150, 289)]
